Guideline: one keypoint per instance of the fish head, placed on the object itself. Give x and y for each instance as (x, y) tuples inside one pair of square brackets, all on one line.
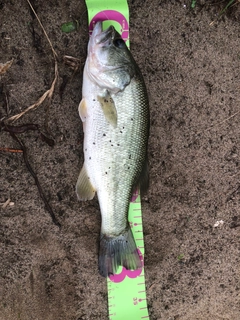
[(109, 63)]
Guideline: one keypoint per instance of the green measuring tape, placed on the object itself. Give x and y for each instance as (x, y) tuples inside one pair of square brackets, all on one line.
[(126, 289)]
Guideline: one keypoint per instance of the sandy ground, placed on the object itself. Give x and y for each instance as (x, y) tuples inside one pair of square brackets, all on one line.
[(191, 69)]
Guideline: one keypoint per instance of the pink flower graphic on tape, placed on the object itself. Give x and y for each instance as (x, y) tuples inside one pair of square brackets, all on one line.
[(111, 15), (127, 273)]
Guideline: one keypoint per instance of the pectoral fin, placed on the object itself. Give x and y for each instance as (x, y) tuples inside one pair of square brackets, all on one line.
[(82, 109), (109, 109), (84, 188)]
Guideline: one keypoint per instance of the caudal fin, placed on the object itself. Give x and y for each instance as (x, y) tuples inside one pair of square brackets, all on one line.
[(118, 251)]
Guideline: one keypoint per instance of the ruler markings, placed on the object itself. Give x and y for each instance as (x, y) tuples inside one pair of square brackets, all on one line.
[(123, 289)]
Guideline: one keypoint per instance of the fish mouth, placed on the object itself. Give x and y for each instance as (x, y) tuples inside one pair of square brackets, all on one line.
[(102, 37)]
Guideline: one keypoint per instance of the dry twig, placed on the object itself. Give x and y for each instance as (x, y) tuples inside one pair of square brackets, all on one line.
[(30, 169), (218, 123), (10, 150), (72, 62), (48, 94)]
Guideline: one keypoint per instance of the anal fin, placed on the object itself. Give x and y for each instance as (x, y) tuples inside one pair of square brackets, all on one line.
[(84, 188)]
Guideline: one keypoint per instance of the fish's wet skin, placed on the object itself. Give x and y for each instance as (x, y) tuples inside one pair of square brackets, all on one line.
[(115, 115)]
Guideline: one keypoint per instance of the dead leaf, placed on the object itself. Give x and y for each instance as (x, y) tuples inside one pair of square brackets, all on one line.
[(5, 66)]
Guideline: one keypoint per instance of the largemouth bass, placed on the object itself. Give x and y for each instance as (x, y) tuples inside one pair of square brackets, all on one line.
[(115, 115)]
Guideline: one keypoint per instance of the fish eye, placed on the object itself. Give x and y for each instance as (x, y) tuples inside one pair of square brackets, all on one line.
[(119, 43)]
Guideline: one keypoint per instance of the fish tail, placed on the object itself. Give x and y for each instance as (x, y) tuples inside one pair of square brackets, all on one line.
[(118, 251)]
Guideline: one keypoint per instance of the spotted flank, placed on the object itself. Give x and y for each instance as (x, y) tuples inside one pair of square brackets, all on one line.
[(115, 115)]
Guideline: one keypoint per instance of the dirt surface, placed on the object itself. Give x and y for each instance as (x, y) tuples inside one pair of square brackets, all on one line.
[(191, 69)]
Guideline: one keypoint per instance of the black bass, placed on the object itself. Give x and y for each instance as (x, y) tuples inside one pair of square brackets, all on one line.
[(115, 115)]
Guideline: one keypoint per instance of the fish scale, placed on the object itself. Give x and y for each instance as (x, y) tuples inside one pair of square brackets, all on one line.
[(112, 149), (115, 114), (126, 296)]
